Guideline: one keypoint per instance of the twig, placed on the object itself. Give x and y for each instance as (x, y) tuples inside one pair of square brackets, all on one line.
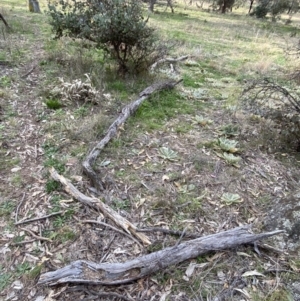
[(23, 242), (39, 218), (171, 232), (181, 236), (36, 236), (111, 227), (107, 249), (270, 248), (280, 271), (29, 72), (93, 294), (109, 294), (17, 211)]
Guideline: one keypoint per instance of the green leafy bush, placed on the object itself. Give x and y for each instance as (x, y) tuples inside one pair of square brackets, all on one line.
[(274, 7), (116, 26)]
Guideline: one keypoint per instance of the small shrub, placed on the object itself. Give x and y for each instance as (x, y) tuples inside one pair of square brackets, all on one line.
[(261, 10), (278, 104), (275, 8), (116, 26), (52, 185), (53, 104)]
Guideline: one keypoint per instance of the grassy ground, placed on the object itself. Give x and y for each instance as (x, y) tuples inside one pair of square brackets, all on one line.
[(189, 158)]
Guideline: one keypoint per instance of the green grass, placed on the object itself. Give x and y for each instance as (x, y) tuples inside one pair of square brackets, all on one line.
[(161, 107), (6, 208), (5, 81), (53, 104), (5, 279), (224, 52)]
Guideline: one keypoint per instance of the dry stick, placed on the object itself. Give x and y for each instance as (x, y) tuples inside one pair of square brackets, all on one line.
[(36, 236), (107, 249), (96, 203), (169, 60), (23, 242), (111, 227), (110, 294), (93, 293), (17, 211), (171, 232), (127, 111), (5, 23), (82, 271), (29, 72), (38, 218)]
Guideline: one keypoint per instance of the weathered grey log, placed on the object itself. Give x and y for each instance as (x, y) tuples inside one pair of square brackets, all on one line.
[(127, 111), (82, 271), (168, 60)]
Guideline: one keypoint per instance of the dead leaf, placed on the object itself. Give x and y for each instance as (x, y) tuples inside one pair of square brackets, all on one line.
[(216, 256), (221, 275), (185, 278), (190, 270), (165, 178), (15, 169), (164, 296), (18, 285), (243, 291), (243, 254), (66, 201), (253, 273)]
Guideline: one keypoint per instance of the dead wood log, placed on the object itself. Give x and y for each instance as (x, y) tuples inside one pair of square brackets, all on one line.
[(96, 203), (127, 111), (4, 21), (168, 60), (82, 271)]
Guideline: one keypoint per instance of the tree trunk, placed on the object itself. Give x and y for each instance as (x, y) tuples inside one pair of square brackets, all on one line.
[(251, 4), (34, 6), (223, 8), (151, 5)]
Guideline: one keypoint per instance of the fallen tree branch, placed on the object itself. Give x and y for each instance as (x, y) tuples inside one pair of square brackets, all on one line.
[(127, 111), (96, 203), (82, 271), (168, 60)]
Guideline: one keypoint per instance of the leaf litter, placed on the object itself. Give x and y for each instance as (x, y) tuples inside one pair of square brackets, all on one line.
[(181, 185)]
